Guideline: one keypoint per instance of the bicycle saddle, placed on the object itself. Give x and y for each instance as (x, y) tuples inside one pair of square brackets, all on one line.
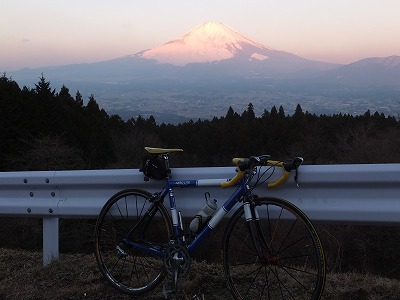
[(161, 150)]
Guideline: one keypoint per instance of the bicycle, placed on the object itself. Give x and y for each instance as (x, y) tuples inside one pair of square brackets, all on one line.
[(270, 248)]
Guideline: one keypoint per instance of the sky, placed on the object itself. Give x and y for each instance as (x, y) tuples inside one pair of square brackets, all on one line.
[(40, 33)]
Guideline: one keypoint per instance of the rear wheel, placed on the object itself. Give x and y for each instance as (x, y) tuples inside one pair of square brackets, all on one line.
[(277, 257), (130, 234)]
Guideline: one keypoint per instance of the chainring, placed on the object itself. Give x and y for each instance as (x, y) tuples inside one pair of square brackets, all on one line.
[(177, 256)]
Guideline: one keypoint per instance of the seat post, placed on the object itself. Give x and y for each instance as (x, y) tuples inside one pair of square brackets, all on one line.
[(166, 161)]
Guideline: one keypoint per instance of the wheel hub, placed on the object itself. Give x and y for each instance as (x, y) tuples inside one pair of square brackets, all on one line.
[(271, 260)]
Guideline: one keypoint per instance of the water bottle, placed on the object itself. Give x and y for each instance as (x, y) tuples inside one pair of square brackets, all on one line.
[(204, 214)]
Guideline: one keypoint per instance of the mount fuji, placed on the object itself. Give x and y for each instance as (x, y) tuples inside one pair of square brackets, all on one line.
[(214, 42), (208, 42)]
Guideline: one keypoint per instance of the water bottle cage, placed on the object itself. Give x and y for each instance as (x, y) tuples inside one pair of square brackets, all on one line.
[(202, 217), (201, 222)]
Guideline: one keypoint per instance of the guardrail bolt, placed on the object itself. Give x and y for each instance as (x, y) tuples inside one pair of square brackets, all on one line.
[(47, 180), (29, 210), (25, 180), (31, 194), (50, 210), (53, 194)]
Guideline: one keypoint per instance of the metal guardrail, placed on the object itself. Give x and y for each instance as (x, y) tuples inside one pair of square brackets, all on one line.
[(367, 194)]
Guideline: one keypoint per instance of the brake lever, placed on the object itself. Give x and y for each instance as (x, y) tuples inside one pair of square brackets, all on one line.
[(295, 177), (253, 162), (298, 161)]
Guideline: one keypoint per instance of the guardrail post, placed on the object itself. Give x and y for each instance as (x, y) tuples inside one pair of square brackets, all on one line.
[(50, 240)]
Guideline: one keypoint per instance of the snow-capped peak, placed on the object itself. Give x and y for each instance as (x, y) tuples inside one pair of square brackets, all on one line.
[(219, 35), (210, 41)]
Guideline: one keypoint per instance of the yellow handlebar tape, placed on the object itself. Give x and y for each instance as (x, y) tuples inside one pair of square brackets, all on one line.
[(237, 177), (270, 185), (281, 180), (233, 181)]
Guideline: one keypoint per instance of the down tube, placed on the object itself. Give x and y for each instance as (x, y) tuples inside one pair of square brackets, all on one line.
[(217, 218)]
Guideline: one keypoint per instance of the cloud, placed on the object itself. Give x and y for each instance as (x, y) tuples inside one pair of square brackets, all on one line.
[(25, 40)]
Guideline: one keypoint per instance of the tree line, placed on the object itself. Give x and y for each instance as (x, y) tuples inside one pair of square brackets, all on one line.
[(42, 129)]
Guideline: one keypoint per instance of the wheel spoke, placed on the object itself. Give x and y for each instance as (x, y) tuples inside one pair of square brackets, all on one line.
[(123, 221), (288, 262)]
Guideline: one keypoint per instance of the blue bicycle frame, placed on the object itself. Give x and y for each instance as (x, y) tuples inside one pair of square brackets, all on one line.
[(241, 190)]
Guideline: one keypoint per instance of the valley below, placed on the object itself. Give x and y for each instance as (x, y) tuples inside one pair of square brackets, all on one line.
[(180, 105)]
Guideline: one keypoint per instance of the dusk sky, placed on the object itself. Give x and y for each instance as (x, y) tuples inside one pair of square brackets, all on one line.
[(42, 33)]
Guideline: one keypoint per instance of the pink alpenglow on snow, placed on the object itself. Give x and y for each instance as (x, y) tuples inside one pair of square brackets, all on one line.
[(208, 42)]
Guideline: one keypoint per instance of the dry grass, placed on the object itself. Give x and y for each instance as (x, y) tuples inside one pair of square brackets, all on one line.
[(22, 276)]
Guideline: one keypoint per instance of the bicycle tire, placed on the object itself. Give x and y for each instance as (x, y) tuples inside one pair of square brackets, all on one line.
[(130, 270), (278, 257)]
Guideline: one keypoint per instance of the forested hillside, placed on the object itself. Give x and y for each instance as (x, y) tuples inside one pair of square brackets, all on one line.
[(45, 129)]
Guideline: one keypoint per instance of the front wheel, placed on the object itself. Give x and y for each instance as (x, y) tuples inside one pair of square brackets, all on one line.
[(278, 256), (131, 231)]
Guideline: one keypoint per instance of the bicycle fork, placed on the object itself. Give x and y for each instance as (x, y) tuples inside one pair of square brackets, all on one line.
[(258, 238)]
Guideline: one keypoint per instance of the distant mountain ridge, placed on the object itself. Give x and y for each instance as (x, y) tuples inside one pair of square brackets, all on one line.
[(382, 71), (212, 50)]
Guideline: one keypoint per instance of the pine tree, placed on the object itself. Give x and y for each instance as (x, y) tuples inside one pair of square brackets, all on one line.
[(79, 98), (43, 89)]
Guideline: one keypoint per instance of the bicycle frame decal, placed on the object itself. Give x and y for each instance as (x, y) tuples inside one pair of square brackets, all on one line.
[(194, 183)]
